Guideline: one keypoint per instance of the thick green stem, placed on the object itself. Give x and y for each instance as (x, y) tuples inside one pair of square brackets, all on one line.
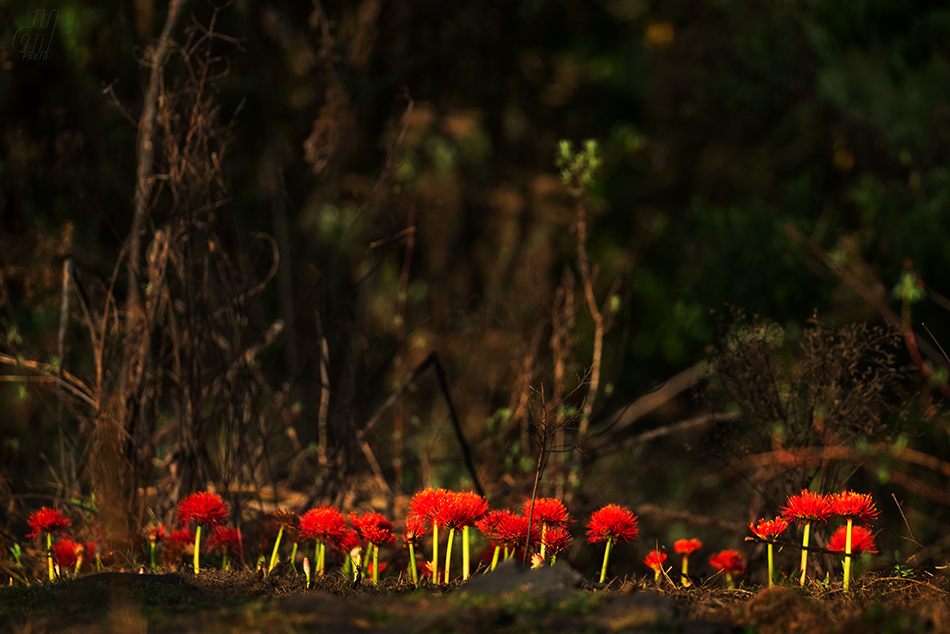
[(154, 567), (49, 554), (684, 579), (412, 565), (847, 558), (603, 569), (448, 554), (771, 565), (273, 555), (321, 556), (435, 554), (465, 554), (805, 553), (373, 547), (494, 557), (197, 548)]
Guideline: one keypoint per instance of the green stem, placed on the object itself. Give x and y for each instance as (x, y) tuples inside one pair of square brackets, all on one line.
[(466, 561), (49, 554), (435, 554), (544, 532), (224, 561), (847, 558), (412, 565), (448, 554), (729, 582), (154, 567), (320, 556), (293, 558), (603, 569), (373, 547), (684, 579), (771, 565), (805, 553), (273, 555), (494, 557), (197, 548)]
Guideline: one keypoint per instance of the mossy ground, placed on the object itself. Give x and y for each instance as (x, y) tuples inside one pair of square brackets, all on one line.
[(239, 602)]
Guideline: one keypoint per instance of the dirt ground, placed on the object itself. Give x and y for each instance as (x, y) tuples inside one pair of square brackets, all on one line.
[(511, 599)]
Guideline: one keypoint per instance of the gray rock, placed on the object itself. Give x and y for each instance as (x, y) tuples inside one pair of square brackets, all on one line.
[(547, 582)]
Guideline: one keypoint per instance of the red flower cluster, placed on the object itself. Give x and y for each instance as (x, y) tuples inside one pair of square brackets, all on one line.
[(854, 505), (227, 541), (416, 527), (323, 524), (550, 511), (67, 552), (202, 508), (686, 546), (655, 560), (612, 522), (459, 510), (728, 561), (428, 503), (556, 539), (507, 529), (861, 540), (46, 520), (769, 530), (374, 528), (182, 537), (155, 533), (807, 507)]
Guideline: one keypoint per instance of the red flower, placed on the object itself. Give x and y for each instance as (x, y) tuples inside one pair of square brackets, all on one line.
[(854, 505), (373, 527), (323, 524), (155, 533), (490, 523), (556, 539), (769, 530), (460, 510), (416, 527), (728, 561), (202, 508), (550, 511), (612, 522), (67, 552), (348, 541), (182, 537), (227, 541), (512, 531), (428, 503), (655, 560), (686, 546), (807, 507), (46, 520), (861, 540)]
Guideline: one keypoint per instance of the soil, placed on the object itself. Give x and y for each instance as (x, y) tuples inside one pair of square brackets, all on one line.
[(510, 599)]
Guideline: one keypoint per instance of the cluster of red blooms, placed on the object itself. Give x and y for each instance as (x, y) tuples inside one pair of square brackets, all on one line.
[(815, 507), (542, 522)]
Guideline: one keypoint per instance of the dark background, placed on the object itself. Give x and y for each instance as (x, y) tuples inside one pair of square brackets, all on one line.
[(742, 143)]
